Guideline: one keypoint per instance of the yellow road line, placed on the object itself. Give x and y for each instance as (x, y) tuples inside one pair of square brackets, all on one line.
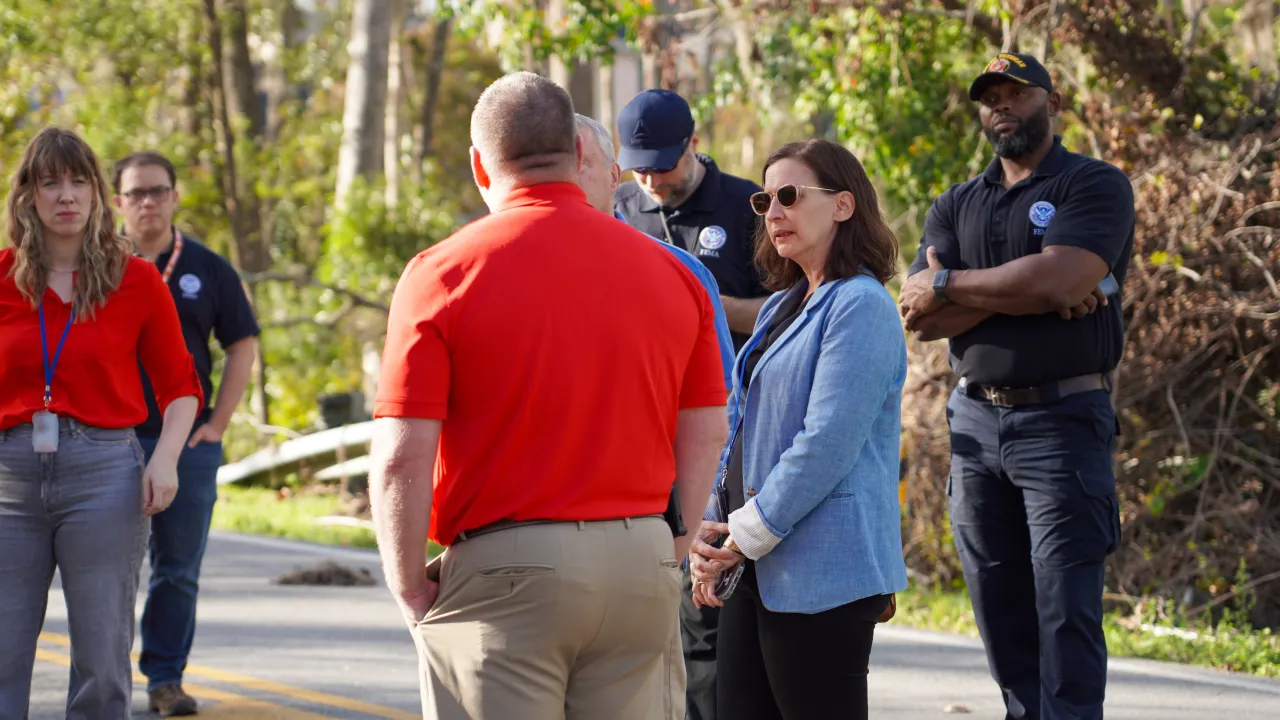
[(228, 705), (289, 691)]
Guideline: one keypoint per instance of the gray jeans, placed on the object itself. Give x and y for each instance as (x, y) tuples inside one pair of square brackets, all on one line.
[(79, 510)]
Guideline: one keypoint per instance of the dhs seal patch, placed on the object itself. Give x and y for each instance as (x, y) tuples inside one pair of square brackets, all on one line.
[(1041, 213), (190, 286), (712, 237)]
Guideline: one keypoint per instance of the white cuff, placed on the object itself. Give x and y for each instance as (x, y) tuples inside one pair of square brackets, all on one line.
[(748, 530)]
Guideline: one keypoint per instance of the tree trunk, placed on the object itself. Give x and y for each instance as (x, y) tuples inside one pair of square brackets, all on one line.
[(604, 95), (435, 69), (561, 71), (275, 77), (365, 101), (229, 179), (244, 97), (395, 99)]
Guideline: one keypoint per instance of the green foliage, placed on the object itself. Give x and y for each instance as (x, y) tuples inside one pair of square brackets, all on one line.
[(1230, 643), (587, 30)]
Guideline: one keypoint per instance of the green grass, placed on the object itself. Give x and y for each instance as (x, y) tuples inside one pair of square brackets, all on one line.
[(1231, 645), (261, 511)]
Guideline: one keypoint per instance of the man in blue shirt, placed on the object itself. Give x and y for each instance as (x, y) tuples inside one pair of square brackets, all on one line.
[(692, 655), (599, 179)]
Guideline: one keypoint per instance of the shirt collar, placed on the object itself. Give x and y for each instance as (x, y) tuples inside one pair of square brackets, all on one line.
[(542, 193), (704, 198), (1049, 165)]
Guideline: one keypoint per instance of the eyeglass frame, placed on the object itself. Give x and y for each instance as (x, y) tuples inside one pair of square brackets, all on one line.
[(773, 195), (138, 196)]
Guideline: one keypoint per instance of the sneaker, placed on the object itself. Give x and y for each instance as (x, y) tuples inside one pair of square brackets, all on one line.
[(172, 701)]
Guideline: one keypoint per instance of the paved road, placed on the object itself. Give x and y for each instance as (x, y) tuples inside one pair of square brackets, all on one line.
[(271, 652)]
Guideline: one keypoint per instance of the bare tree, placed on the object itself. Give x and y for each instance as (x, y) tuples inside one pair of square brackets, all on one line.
[(365, 102), (431, 94), (395, 101)]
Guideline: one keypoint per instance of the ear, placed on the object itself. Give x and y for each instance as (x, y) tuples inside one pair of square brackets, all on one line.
[(845, 205), (693, 142), (577, 147), (477, 170), (118, 202), (177, 199), (615, 177), (1055, 103)]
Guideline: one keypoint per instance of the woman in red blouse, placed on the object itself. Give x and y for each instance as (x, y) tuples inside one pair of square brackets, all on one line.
[(77, 314)]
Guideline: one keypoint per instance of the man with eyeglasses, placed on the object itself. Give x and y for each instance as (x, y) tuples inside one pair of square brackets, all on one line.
[(211, 301), (679, 195)]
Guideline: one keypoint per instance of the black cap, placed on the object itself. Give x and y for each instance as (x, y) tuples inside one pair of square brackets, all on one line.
[(1015, 67), (655, 127)]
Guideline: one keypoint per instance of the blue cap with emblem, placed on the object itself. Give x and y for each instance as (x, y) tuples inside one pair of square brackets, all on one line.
[(1013, 67), (655, 128)]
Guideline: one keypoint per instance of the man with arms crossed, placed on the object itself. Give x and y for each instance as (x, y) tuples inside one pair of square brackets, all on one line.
[(211, 301), (1009, 269), (535, 403)]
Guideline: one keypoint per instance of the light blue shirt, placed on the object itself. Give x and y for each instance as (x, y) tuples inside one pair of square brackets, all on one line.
[(708, 281), (821, 423)]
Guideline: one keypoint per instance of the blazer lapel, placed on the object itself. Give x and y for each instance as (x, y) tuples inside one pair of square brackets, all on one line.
[(819, 296)]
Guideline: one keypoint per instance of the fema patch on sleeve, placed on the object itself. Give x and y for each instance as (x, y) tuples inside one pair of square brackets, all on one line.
[(190, 286), (712, 237), (1041, 213)]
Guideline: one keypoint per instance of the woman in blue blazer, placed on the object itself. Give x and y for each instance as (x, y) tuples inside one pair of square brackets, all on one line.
[(809, 477)]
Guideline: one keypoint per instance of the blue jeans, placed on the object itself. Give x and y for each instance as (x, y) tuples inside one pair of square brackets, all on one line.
[(178, 537), (1034, 515), (78, 510)]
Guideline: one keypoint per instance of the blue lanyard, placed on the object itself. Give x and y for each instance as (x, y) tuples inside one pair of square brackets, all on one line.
[(49, 367)]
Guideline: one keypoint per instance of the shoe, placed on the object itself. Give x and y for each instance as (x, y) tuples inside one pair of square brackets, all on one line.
[(172, 701)]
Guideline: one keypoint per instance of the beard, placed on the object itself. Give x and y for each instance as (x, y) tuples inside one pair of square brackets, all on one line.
[(1024, 139)]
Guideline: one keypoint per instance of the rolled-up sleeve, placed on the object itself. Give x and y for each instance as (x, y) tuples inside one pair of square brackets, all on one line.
[(416, 366), (859, 358), (163, 350)]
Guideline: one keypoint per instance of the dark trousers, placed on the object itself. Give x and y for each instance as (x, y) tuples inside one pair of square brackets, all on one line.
[(698, 641), (178, 537), (1034, 515), (793, 666)]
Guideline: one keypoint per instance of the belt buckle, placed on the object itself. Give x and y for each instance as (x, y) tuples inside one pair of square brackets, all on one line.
[(999, 397)]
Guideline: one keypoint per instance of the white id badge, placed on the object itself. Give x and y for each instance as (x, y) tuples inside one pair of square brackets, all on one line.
[(44, 436)]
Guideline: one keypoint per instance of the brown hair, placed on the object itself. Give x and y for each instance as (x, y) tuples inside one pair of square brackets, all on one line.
[(140, 159), (864, 242), (51, 154), (525, 123)]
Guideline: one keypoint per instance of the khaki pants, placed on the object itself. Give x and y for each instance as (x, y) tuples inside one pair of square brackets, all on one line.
[(544, 622)]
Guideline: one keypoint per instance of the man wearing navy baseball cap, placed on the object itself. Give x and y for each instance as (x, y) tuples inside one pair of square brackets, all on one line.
[(681, 196), (1022, 268)]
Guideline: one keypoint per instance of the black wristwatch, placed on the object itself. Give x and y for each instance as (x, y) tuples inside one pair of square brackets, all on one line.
[(940, 280)]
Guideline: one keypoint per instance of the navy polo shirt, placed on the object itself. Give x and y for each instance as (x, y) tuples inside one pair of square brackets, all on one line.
[(716, 224), (1070, 199), (211, 302)]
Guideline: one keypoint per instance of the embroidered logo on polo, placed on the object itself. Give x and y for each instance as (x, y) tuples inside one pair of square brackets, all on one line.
[(190, 286), (1041, 213), (712, 237)]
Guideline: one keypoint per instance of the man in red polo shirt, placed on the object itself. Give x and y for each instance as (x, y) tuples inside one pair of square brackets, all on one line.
[(544, 398)]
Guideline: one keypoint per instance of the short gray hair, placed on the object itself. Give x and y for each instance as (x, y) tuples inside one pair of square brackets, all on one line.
[(601, 133), (524, 123)]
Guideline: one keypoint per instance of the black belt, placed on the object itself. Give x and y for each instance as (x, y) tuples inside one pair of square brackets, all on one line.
[(1047, 393), (509, 524)]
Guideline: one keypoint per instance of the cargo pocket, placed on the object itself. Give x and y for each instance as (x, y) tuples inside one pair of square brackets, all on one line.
[(1100, 490)]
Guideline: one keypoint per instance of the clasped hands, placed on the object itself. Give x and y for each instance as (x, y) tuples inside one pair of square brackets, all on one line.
[(707, 562)]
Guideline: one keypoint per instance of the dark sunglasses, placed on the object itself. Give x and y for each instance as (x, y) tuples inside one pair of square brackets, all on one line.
[(787, 196), (662, 171)]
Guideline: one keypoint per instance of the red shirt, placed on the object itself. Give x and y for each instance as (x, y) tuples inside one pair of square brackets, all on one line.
[(557, 344), (96, 380)]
